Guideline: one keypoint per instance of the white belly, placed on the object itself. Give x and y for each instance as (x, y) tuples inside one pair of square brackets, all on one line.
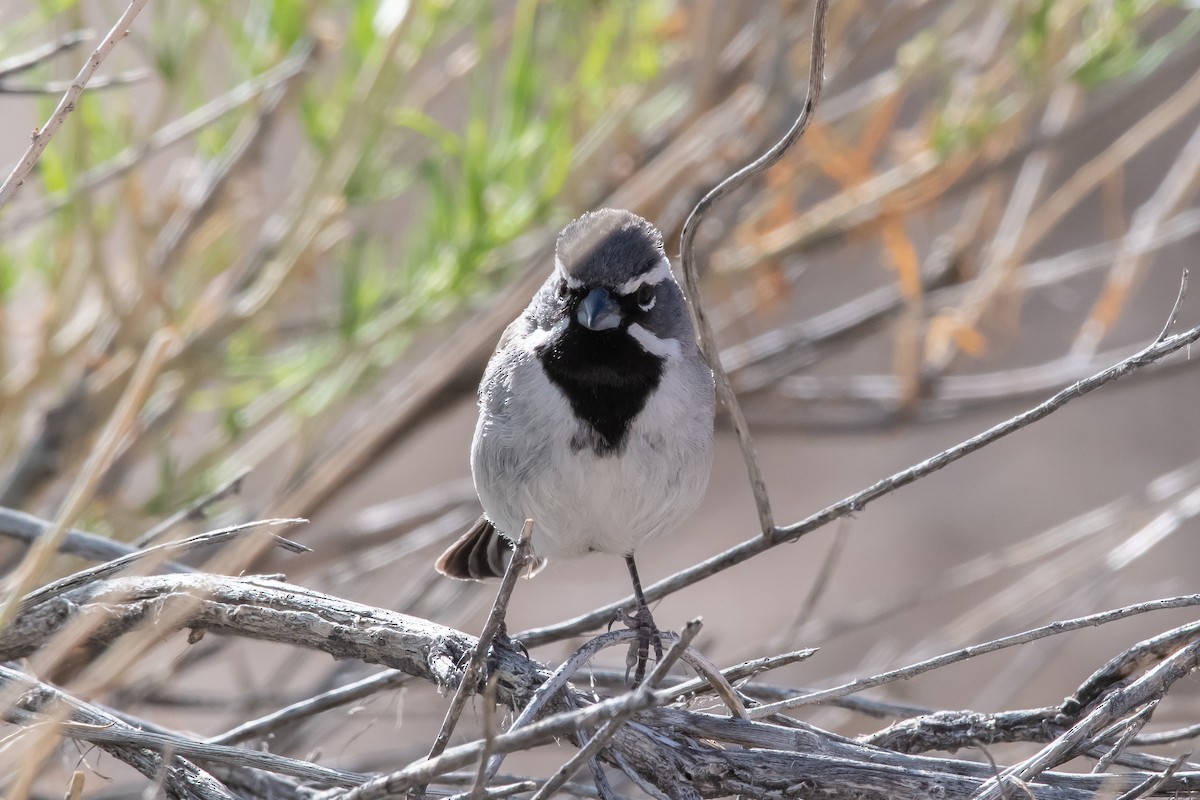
[(582, 502)]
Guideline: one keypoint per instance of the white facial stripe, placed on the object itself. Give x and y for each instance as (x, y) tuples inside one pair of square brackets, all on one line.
[(540, 335), (660, 272), (663, 348)]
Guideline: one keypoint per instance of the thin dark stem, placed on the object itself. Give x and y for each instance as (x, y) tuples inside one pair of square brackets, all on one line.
[(691, 277)]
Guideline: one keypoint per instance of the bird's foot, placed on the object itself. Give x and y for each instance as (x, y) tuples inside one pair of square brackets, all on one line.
[(502, 642), (639, 649)]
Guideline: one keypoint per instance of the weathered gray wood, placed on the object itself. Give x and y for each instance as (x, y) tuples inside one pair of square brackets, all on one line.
[(682, 753)]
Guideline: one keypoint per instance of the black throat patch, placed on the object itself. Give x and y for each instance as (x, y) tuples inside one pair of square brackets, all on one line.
[(607, 377)]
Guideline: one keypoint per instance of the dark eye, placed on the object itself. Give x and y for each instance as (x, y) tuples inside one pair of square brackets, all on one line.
[(645, 296), (563, 291)]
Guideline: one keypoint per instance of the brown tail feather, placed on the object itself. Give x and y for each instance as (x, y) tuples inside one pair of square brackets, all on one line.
[(482, 552)]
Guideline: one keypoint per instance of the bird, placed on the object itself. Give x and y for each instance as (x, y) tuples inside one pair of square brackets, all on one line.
[(595, 414)]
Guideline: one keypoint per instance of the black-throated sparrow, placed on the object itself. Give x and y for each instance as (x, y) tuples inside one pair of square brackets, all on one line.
[(595, 411)]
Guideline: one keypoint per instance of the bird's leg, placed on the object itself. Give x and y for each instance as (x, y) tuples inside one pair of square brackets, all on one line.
[(641, 621)]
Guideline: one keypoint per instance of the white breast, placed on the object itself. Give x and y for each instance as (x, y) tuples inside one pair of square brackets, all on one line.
[(580, 502)]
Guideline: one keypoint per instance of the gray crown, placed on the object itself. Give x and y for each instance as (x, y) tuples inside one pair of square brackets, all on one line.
[(608, 247)]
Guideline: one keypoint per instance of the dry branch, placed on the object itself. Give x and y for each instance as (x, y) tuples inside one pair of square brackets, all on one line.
[(666, 751), (1016, 639), (157, 554), (807, 761), (181, 779), (27, 528)]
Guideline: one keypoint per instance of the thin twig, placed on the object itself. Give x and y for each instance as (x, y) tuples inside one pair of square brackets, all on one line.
[(746, 669), (457, 757), (821, 583), (109, 568), (27, 528), (1149, 686), (182, 777), (197, 510), (1152, 784), (599, 779), (1168, 737), (171, 133), (66, 105), (557, 680), (495, 792), (609, 728), (310, 706), (858, 501), (1129, 729), (172, 745), (1174, 315), (58, 87), (495, 622), (816, 77), (1031, 635), (479, 788), (82, 489), (467, 778), (952, 730), (22, 62), (717, 682)]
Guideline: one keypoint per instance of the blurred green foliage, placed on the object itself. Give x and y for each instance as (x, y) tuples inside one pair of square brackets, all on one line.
[(417, 141)]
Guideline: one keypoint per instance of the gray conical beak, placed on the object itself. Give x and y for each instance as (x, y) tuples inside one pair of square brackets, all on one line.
[(598, 311)]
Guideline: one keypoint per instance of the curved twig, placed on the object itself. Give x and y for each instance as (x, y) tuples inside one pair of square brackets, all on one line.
[(691, 276)]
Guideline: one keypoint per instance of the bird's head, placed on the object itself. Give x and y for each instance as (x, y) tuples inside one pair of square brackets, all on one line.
[(613, 288)]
